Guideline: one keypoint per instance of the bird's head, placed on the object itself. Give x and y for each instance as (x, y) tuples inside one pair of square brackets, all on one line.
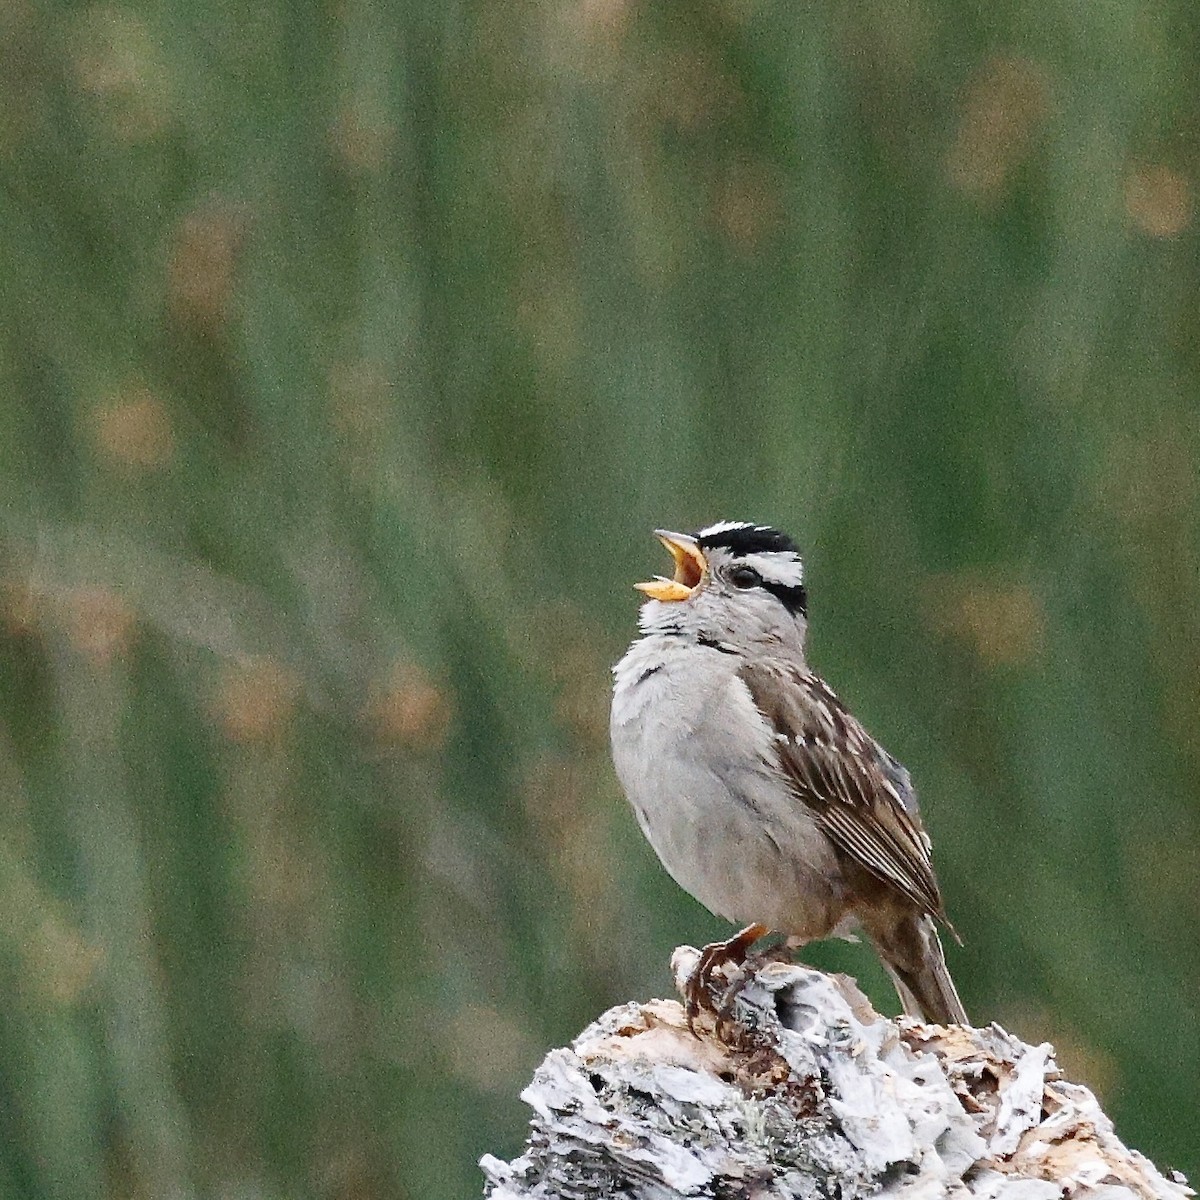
[(735, 583)]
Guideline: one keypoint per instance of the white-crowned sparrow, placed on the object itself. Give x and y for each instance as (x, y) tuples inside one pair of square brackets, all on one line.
[(758, 790)]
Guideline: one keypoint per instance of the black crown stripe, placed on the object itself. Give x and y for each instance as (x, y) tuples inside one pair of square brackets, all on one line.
[(748, 539)]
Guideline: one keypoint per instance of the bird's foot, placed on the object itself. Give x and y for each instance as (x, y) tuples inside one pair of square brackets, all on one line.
[(713, 957), (779, 952)]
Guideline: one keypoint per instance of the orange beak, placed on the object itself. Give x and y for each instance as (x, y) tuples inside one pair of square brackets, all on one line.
[(690, 568)]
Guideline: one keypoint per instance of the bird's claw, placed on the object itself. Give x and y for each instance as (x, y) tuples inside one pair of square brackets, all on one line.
[(698, 992)]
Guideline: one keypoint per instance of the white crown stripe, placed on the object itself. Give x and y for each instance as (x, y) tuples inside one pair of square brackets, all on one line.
[(785, 569), (727, 527)]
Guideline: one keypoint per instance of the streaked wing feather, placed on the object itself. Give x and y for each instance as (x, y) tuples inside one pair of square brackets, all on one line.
[(861, 795)]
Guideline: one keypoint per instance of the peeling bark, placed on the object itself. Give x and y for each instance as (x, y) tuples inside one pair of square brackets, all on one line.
[(812, 1094)]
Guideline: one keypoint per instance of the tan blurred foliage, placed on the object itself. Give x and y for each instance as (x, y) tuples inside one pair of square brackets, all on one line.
[(1161, 875), (490, 1048), (748, 204), (202, 265), (59, 960), (1150, 476), (19, 607), (410, 709), (99, 623), (1001, 620), (361, 135), (563, 802), (133, 432), (578, 669), (1006, 101), (600, 21), (56, 960), (1158, 201), (118, 64), (360, 394), (255, 700)]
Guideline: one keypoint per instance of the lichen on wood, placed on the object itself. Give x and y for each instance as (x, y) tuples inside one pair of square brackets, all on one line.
[(807, 1093)]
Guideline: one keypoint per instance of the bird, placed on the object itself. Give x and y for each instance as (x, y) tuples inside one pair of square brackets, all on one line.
[(761, 793)]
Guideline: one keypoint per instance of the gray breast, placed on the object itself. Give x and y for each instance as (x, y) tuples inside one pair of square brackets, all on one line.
[(697, 761)]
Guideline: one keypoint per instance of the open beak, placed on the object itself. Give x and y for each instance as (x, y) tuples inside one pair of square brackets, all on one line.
[(690, 568)]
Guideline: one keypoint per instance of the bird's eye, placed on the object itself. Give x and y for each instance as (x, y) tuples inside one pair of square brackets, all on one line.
[(744, 577)]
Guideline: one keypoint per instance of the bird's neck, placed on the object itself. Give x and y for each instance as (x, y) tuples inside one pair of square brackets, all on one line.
[(672, 626)]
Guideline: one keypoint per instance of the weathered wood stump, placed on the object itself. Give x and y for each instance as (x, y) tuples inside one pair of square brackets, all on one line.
[(809, 1093)]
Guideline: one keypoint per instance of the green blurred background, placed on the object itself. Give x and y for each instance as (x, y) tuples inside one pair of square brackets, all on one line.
[(349, 353)]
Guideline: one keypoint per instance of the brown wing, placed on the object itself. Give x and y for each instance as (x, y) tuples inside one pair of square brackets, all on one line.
[(860, 794)]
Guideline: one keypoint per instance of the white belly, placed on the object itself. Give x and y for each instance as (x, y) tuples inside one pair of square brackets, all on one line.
[(709, 799)]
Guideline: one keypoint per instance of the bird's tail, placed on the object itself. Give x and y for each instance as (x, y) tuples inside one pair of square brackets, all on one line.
[(912, 954)]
